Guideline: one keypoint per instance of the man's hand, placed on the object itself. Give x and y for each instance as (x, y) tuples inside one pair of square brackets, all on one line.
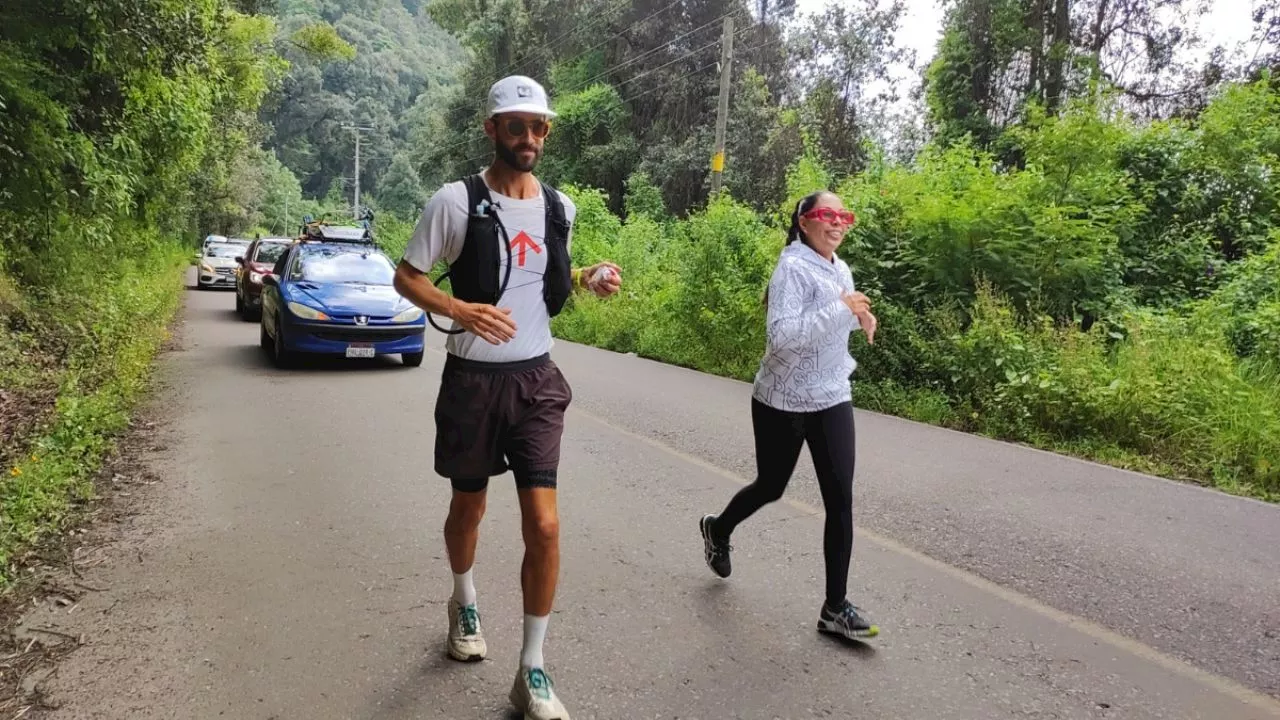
[(605, 287), (492, 324)]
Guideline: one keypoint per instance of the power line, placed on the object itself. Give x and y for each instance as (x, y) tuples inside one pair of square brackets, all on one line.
[(708, 46), (649, 52), (550, 44), (623, 64), (662, 86), (623, 31)]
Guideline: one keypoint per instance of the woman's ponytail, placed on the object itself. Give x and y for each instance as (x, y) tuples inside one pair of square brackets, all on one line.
[(805, 205), (796, 233)]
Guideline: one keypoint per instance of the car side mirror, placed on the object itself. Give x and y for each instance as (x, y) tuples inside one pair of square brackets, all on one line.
[(239, 260)]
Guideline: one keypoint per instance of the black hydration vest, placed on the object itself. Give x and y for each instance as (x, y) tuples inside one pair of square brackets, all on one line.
[(475, 275)]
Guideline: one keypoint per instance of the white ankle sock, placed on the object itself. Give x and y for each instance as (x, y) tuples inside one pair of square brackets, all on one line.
[(535, 629), (464, 590)]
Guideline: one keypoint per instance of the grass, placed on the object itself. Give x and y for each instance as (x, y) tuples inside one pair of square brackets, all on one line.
[(86, 349)]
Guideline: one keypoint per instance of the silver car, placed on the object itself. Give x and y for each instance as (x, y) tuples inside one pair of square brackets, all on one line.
[(217, 266)]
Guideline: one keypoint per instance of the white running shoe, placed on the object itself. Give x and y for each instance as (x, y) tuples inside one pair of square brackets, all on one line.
[(466, 641), (534, 695)]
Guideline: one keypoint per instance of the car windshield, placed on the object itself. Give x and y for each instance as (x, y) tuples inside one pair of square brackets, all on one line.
[(270, 252), (363, 267), (222, 250)]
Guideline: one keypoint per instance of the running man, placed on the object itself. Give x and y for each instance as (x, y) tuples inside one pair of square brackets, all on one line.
[(502, 400), (802, 395)]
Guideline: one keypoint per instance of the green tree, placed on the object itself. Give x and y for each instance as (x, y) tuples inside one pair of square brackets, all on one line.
[(401, 191), (397, 55)]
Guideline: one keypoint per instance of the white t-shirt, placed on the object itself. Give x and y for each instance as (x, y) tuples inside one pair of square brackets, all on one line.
[(440, 234)]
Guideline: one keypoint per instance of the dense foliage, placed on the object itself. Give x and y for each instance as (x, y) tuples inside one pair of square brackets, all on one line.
[(636, 86), (402, 65), (124, 126), (1071, 237), (1074, 253), (1091, 302)]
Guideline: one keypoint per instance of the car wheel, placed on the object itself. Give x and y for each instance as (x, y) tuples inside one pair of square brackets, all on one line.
[(240, 308), (264, 340), (412, 359), (281, 355)]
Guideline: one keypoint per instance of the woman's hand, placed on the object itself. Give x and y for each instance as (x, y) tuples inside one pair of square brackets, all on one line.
[(860, 306), (869, 322), (857, 302)]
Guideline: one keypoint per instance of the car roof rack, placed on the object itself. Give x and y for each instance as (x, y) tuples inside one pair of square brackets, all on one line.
[(324, 231)]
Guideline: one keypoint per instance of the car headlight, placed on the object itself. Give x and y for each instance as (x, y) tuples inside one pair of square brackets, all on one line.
[(255, 278), (306, 313), (206, 267), (409, 315)]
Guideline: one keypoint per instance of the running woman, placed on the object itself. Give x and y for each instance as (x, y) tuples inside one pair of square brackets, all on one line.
[(502, 400), (802, 395)]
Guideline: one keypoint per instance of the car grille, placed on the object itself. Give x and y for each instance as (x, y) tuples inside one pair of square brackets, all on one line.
[(379, 335), (225, 272)]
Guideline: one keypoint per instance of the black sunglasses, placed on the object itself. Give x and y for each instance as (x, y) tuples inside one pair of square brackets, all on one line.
[(516, 128)]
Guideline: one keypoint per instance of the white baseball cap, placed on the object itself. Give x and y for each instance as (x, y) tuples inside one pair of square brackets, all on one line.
[(517, 93)]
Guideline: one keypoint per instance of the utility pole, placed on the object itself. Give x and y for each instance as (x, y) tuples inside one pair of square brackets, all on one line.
[(722, 114), (357, 129)]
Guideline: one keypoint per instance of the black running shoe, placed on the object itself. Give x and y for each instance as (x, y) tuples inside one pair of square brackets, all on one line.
[(715, 549), (847, 621)]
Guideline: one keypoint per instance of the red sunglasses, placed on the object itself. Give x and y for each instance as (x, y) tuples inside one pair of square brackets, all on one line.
[(831, 215)]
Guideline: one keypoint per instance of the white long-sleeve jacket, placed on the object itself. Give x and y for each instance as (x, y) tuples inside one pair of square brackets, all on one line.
[(807, 365)]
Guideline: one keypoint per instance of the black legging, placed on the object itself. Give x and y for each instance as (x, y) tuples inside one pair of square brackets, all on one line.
[(779, 435)]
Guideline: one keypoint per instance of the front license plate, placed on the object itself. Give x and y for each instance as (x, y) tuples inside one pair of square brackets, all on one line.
[(360, 351)]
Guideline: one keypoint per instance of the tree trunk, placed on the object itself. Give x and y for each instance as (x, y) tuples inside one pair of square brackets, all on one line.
[(981, 37), (1035, 79), (1099, 39), (1059, 53)]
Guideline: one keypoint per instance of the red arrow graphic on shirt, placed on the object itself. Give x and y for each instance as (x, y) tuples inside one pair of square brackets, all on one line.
[(521, 244)]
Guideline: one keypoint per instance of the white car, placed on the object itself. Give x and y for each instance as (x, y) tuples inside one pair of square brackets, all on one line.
[(217, 266), (210, 240)]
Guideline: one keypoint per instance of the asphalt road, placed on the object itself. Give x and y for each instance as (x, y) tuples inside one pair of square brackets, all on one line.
[(289, 564)]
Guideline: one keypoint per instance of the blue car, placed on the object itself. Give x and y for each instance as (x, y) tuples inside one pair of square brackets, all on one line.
[(336, 298)]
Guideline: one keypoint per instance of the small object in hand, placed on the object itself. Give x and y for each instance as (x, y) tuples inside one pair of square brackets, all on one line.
[(602, 274)]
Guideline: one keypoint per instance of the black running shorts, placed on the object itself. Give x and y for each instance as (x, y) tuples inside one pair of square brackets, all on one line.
[(495, 417)]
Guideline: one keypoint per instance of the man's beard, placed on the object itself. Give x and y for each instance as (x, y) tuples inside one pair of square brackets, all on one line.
[(509, 156)]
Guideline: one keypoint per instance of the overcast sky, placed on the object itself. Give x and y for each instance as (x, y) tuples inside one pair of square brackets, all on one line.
[(1229, 22)]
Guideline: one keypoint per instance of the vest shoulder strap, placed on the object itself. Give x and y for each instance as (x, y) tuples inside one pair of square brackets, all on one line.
[(555, 207), (477, 192)]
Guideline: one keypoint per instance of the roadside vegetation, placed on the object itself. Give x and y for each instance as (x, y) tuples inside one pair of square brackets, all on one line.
[(1072, 238), (1082, 303), (118, 150), (1071, 235)]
